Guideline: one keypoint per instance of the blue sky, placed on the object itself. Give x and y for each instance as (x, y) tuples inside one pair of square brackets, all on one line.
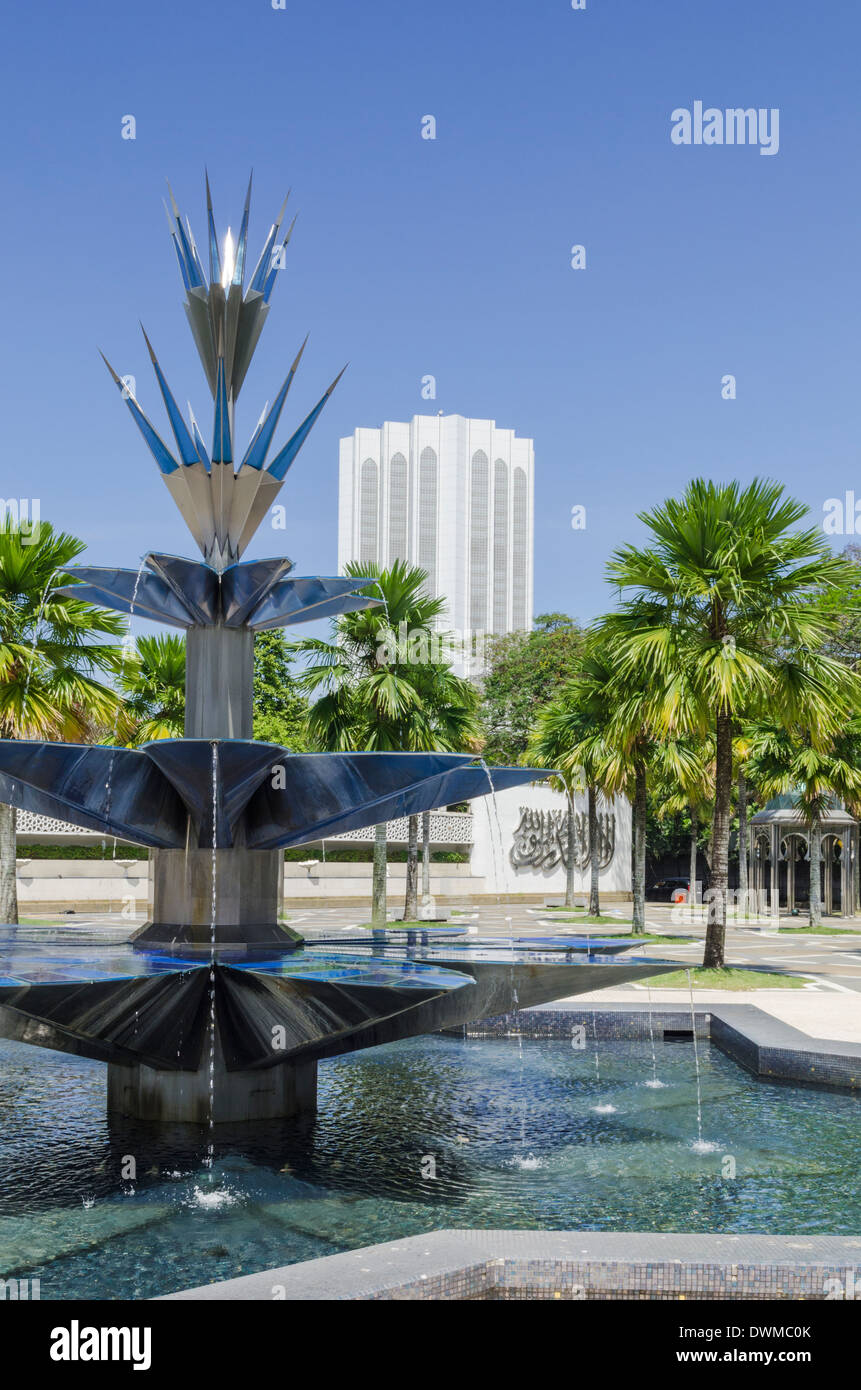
[(448, 257)]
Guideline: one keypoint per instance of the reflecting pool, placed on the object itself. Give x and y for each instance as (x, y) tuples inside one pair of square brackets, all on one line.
[(432, 1132)]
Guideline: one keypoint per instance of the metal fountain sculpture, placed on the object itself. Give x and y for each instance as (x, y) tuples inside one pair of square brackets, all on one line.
[(215, 1011)]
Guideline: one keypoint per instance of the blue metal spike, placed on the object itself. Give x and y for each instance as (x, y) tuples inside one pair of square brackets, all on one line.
[(257, 450), (270, 278), (183, 268), (195, 276), (184, 273), (242, 242), (184, 442), (198, 264), (222, 447), (214, 253), (198, 441), (282, 461), (261, 270), (157, 447)]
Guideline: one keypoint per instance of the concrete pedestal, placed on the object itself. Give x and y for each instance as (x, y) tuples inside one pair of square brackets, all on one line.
[(219, 682), (248, 889), (276, 1093)]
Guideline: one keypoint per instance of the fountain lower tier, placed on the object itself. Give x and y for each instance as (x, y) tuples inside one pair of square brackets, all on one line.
[(239, 1040)]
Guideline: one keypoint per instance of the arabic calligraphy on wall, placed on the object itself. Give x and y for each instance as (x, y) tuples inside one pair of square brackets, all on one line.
[(541, 840)]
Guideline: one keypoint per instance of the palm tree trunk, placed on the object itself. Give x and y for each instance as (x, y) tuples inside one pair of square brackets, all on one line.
[(856, 879), (8, 880), (425, 855), (815, 861), (713, 956), (638, 925), (742, 841), (692, 871), (594, 900), (378, 891), (411, 906), (571, 851)]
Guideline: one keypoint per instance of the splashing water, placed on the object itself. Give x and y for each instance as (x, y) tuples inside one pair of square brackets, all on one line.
[(526, 1164), (213, 1199)]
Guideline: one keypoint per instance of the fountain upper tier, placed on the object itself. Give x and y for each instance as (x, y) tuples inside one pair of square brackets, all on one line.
[(223, 506)]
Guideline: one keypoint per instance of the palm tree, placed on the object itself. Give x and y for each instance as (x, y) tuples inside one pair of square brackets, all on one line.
[(382, 692), (816, 769), (572, 734), (153, 687), (52, 650), (721, 624)]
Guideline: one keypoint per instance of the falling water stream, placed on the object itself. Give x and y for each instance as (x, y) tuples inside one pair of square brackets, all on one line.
[(700, 1145), (603, 1107), (210, 1150), (654, 1084)]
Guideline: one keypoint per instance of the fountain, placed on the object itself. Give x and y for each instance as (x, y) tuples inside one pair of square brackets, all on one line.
[(215, 1011)]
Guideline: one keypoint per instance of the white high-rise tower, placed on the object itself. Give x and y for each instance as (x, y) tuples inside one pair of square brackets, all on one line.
[(454, 496)]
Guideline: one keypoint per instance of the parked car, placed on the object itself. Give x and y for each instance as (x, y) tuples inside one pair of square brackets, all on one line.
[(668, 890)]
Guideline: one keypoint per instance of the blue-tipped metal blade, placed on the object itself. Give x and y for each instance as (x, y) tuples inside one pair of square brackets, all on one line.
[(244, 586), (115, 790), (194, 583), (184, 442), (222, 445), (241, 766), (305, 598), (282, 460), (242, 243), (214, 253), (263, 266), (194, 269), (325, 794), (269, 282), (183, 268), (255, 456), (198, 441), (156, 445), (130, 591)]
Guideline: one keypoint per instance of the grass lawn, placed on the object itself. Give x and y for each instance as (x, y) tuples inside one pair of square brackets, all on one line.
[(602, 921), (729, 978), (818, 931)]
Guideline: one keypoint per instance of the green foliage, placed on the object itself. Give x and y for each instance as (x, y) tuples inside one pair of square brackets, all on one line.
[(841, 604), (53, 649), (524, 671), (152, 683), (280, 710), (370, 695)]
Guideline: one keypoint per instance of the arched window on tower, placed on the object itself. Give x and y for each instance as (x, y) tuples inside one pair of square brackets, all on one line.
[(428, 517), (368, 511), (500, 546), (520, 532), (398, 480), (478, 527)]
